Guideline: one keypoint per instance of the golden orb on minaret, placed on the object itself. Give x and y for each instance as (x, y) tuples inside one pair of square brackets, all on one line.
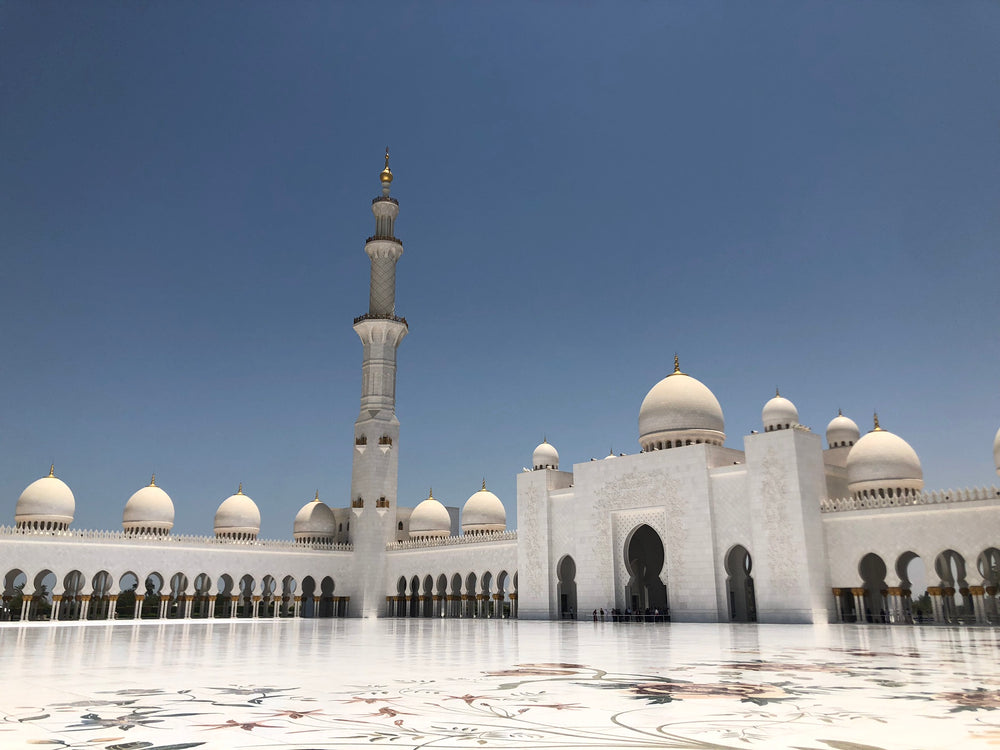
[(386, 174)]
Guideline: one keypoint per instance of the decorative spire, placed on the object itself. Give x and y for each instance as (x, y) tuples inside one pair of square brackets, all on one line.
[(240, 490), (430, 494), (317, 497), (677, 365), (484, 485), (152, 480), (52, 470), (386, 174), (877, 428), (840, 413), (777, 393)]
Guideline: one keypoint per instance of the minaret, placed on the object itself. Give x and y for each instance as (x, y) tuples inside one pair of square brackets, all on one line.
[(376, 430)]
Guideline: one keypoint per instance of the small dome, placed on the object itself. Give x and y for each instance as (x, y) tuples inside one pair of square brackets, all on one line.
[(149, 511), (545, 456), (996, 451), (882, 464), (483, 513), (842, 431), (430, 518), (46, 504), (680, 410), (237, 517), (314, 522), (779, 414)]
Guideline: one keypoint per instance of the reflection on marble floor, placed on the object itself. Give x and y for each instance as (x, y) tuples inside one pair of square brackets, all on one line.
[(460, 684)]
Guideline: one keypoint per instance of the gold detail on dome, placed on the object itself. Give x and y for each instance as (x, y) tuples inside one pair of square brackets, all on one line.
[(52, 470), (840, 413), (240, 490), (430, 494), (777, 393), (877, 427), (484, 485), (316, 500), (152, 480), (386, 174)]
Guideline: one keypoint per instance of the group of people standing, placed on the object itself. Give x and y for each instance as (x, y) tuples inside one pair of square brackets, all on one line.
[(616, 615)]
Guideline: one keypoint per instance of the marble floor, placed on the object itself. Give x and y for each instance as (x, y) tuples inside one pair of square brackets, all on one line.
[(310, 684)]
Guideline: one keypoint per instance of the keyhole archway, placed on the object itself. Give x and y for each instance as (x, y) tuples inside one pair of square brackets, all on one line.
[(566, 588), (739, 584), (644, 562)]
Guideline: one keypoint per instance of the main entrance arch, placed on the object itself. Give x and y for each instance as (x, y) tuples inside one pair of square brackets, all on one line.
[(644, 591)]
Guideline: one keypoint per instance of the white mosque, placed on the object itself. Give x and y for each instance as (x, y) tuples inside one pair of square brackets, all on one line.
[(687, 529)]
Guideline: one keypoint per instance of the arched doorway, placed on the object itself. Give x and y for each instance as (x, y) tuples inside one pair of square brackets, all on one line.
[(739, 585), (645, 592), (956, 603), (872, 571), (566, 588)]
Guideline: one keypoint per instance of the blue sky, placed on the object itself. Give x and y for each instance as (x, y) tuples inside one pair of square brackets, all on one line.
[(800, 194)]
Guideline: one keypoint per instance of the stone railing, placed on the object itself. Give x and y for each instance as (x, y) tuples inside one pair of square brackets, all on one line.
[(380, 316), (384, 237), (171, 540), (385, 198), (937, 497), (448, 541)]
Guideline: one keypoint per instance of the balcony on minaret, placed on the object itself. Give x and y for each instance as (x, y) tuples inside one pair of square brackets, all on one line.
[(380, 316), (382, 505), (357, 505), (360, 443), (385, 443)]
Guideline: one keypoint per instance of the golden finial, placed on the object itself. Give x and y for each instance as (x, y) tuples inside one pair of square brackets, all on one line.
[(777, 393), (877, 428), (484, 485), (316, 500), (840, 413), (52, 470), (677, 363), (386, 174), (152, 480), (240, 490), (430, 494)]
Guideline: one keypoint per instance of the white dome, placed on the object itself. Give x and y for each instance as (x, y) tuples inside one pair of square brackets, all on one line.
[(237, 517), (996, 451), (883, 464), (842, 431), (150, 511), (46, 503), (483, 512), (779, 414), (430, 518), (314, 522), (680, 410), (545, 456)]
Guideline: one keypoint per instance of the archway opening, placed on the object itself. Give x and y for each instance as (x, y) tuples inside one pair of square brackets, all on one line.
[(739, 585), (872, 571), (645, 593), (566, 587)]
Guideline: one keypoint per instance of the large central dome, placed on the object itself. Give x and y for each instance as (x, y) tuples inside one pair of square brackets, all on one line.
[(680, 410)]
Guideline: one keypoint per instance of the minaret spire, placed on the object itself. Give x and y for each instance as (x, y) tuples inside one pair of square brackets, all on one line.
[(376, 430)]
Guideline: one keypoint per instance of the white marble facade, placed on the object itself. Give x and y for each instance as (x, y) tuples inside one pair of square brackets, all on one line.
[(783, 530)]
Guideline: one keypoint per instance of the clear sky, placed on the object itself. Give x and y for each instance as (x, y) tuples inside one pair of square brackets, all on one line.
[(793, 194)]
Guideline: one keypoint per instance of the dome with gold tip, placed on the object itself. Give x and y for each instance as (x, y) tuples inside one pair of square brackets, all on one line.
[(149, 511), (237, 518), (314, 523), (883, 465), (46, 504), (680, 410), (483, 513)]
